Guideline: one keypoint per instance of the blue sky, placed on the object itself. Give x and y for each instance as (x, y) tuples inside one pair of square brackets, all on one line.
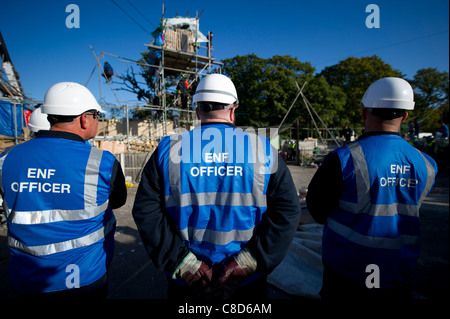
[(413, 34)]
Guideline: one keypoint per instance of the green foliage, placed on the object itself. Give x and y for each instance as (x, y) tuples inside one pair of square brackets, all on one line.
[(431, 96), (354, 76), (267, 88), (328, 101)]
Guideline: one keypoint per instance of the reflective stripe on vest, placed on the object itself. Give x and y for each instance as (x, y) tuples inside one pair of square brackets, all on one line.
[(216, 237), (365, 206), (49, 216), (232, 199), (44, 250), (55, 215)]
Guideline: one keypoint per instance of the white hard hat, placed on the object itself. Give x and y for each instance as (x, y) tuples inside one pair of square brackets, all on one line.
[(389, 93), (38, 121), (216, 88), (69, 98)]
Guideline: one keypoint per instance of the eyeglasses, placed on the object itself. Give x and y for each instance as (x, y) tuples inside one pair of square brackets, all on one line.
[(95, 114)]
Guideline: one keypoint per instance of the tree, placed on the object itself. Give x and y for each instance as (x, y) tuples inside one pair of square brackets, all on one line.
[(143, 90), (145, 83), (266, 89), (328, 101), (431, 97), (354, 76), (246, 73)]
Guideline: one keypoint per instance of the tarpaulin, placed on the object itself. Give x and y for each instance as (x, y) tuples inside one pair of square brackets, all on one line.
[(7, 126), (300, 273)]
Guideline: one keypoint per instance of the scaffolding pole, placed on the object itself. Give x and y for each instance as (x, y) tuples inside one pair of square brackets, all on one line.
[(172, 63)]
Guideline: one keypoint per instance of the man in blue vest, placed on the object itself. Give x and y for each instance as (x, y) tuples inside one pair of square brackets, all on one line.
[(216, 208), (368, 194), (58, 197)]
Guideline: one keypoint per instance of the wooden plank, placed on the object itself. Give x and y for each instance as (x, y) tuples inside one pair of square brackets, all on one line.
[(173, 40), (184, 55)]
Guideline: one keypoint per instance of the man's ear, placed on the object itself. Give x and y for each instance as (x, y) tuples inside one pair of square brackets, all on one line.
[(405, 116), (232, 116), (83, 121)]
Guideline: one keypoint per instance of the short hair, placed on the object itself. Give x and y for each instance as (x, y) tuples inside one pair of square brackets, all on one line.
[(211, 106), (55, 119), (387, 114)]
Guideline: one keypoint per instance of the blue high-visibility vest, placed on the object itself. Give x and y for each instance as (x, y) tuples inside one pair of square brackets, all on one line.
[(215, 183), (377, 222), (60, 225)]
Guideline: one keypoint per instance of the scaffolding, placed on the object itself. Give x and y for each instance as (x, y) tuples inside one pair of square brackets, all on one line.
[(178, 57), (11, 92)]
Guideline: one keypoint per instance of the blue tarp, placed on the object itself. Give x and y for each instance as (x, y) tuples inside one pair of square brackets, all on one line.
[(7, 126)]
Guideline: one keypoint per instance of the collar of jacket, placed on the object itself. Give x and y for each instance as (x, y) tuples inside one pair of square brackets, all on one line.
[(215, 123), (59, 134)]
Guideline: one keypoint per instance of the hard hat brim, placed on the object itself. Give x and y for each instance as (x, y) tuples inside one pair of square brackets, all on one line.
[(388, 104), (218, 97)]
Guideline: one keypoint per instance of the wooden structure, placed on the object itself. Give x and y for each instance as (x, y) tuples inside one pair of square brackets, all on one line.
[(179, 40), (180, 58), (177, 56), (174, 62)]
